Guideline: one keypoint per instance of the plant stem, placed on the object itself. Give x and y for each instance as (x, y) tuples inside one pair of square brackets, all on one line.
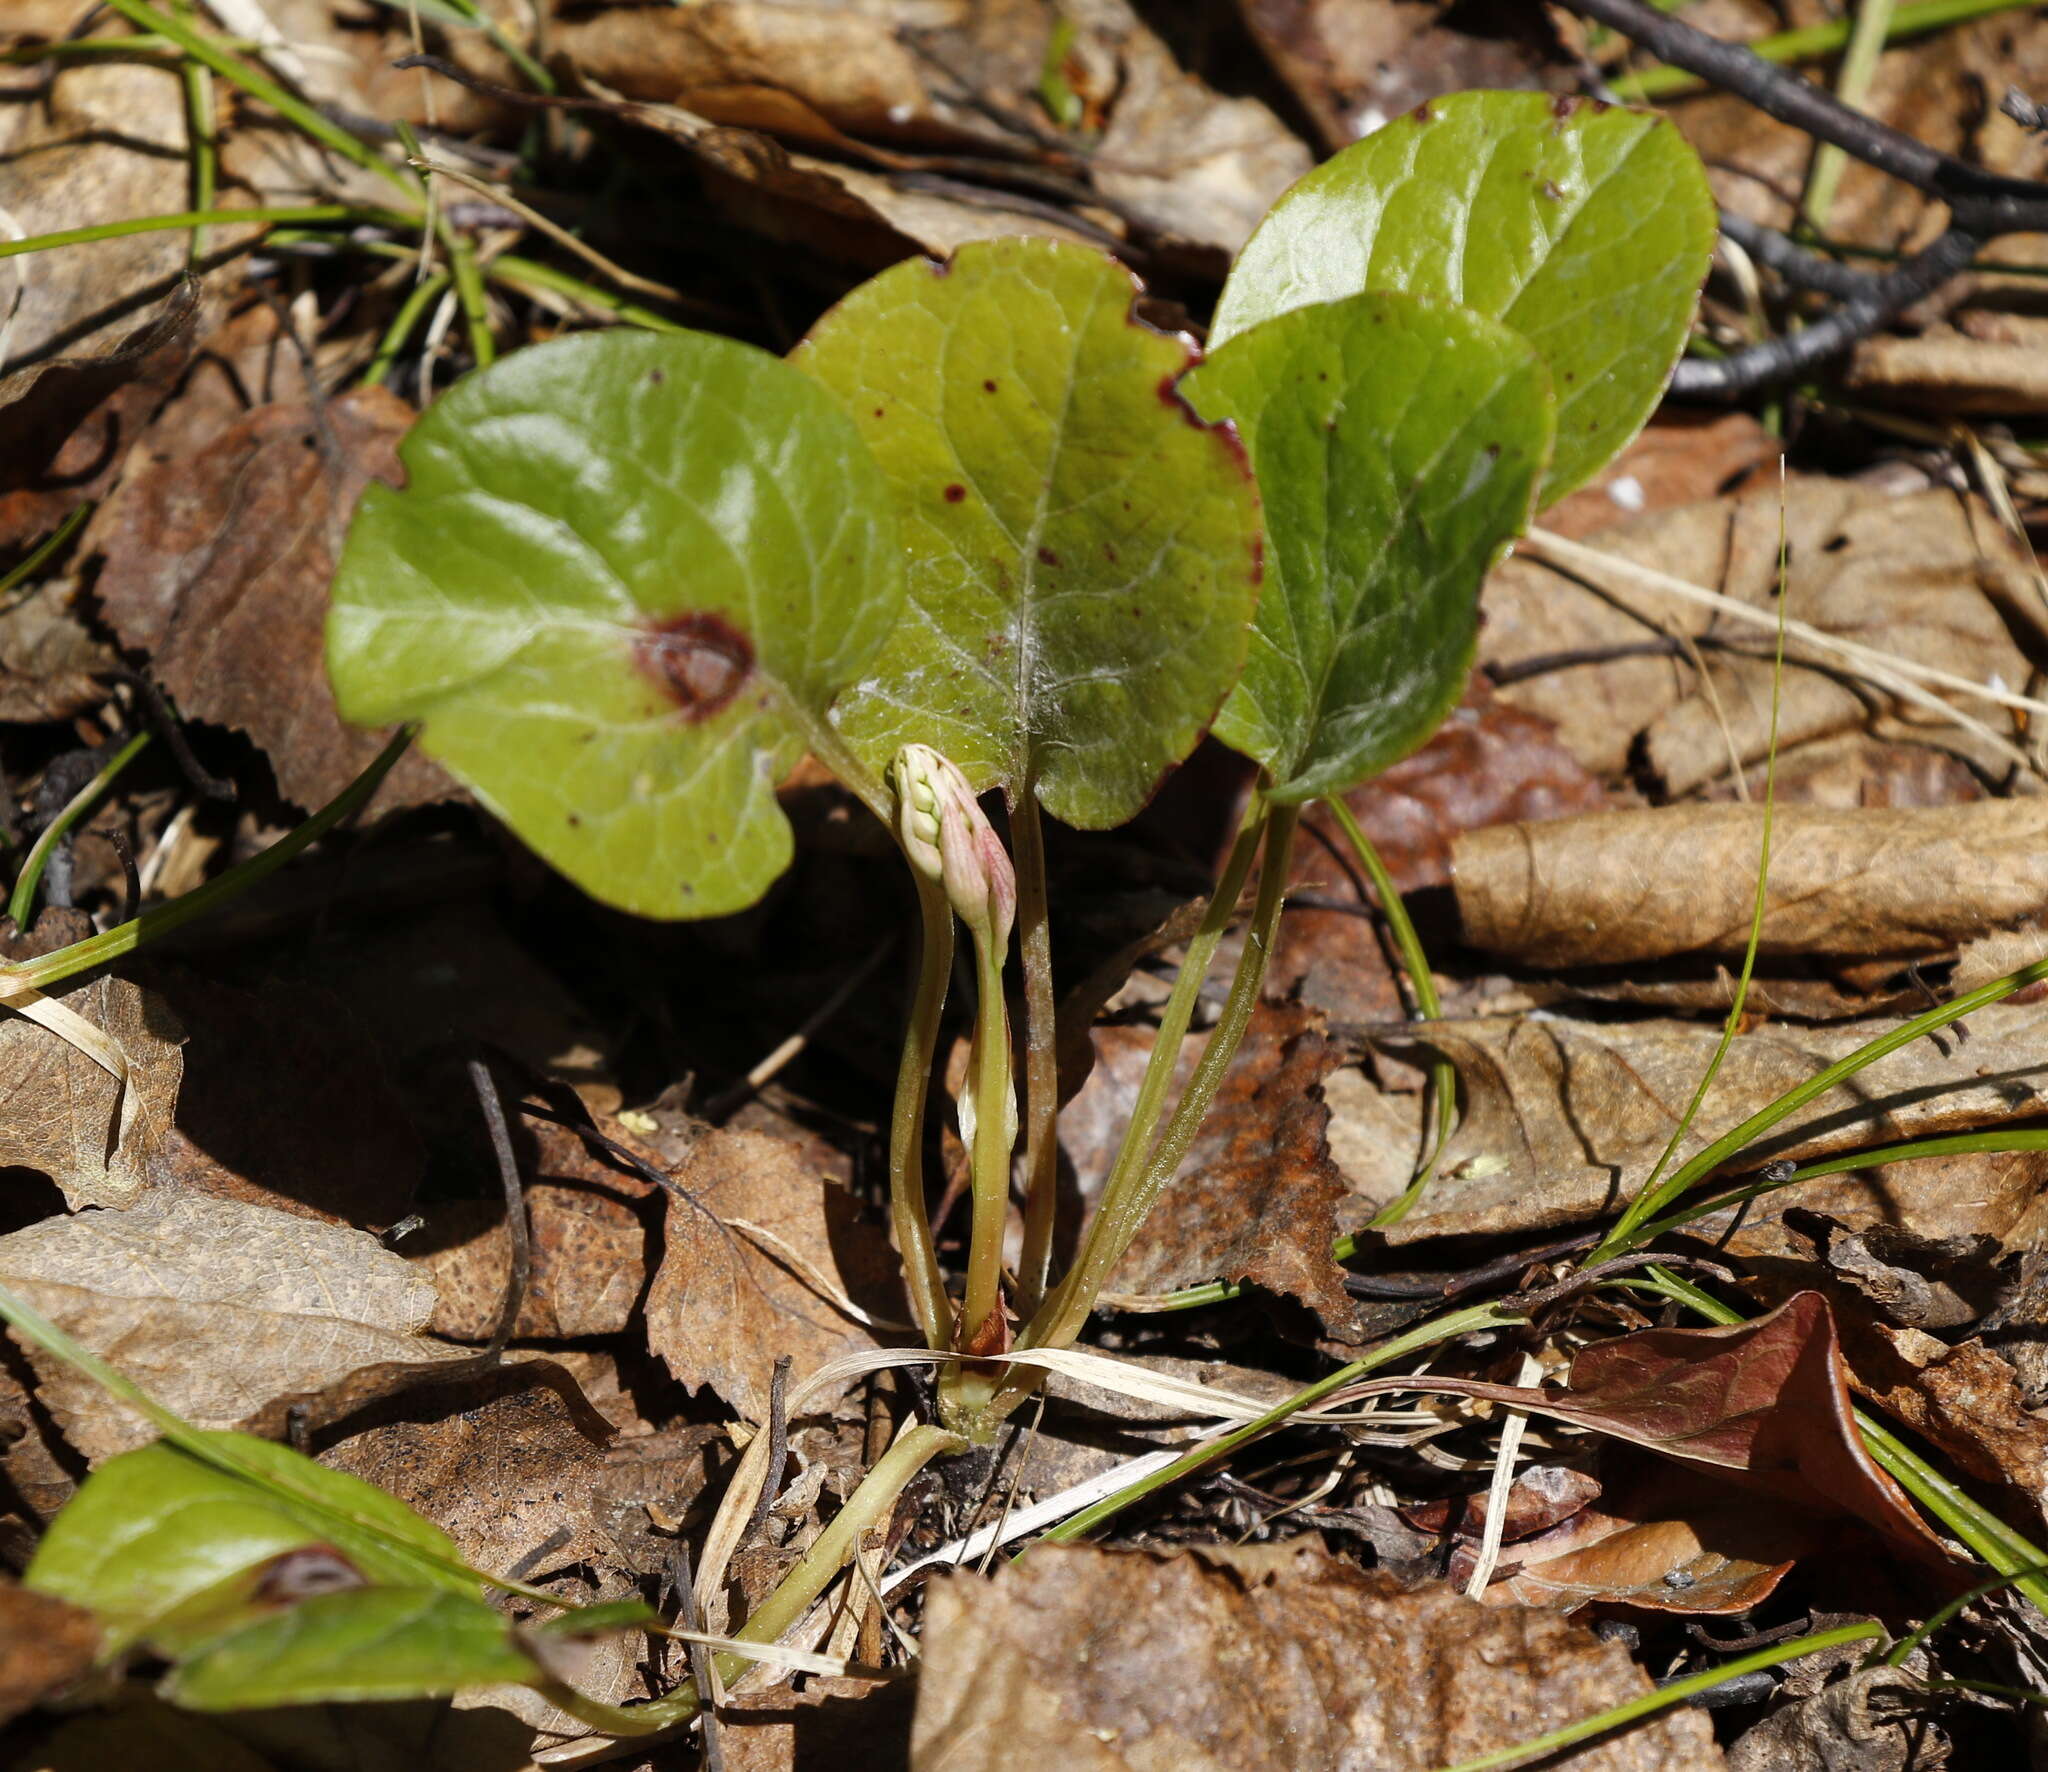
[(159, 920), (199, 129), (417, 300), (1131, 1190), (1868, 33), (1464, 1322), (1041, 1051), (867, 1509), (1664, 1697), (1443, 1075), (516, 272), (197, 218), (258, 84), (994, 1134), (1627, 1234), (22, 901), (908, 1213), (43, 553)]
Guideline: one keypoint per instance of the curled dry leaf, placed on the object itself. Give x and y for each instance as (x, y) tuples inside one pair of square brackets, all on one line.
[(1965, 1400), (217, 564), (833, 1721), (63, 1112), (1763, 1404), (1278, 1656), (1174, 155), (1921, 577), (1564, 1119), (762, 1259), (212, 1306), (1874, 1720), (1615, 888)]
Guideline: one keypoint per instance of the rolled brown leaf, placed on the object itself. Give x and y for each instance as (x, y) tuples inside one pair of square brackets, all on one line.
[(1615, 888)]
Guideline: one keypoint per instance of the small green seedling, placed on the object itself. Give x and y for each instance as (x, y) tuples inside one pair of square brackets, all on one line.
[(988, 531)]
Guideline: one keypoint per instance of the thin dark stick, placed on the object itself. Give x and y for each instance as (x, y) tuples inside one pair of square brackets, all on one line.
[(515, 1206), (778, 1449), (685, 1580), (131, 879)]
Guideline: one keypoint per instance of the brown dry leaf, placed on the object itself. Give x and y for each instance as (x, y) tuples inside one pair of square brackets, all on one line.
[(1256, 1199), (1354, 64), (212, 1306), (1542, 1496), (217, 563), (1176, 157), (1278, 1656), (1563, 1119), (284, 1103), (1964, 1400), (51, 664), (1679, 458), (834, 1721), (1951, 372), (1924, 577), (589, 1248), (45, 1644), (1764, 1405), (63, 1113), (1871, 1720), (1617, 888), (727, 1301)]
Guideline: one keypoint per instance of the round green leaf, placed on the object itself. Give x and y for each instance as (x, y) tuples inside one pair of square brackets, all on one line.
[(166, 1548), (1084, 553), (625, 574), (1586, 228), (1399, 444), (360, 1644)]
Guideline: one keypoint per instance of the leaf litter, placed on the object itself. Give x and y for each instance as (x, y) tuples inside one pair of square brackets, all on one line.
[(285, 1209)]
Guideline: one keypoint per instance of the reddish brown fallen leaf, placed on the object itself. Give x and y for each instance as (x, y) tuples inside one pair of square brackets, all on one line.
[(1564, 1118), (1541, 1497), (1488, 764), (1763, 1403), (1667, 1539), (217, 563), (1278, 1658), (1964, 1400), (45, 1644), (1257, 1198), (1616, 888), (727, 1301), (1354, 64)]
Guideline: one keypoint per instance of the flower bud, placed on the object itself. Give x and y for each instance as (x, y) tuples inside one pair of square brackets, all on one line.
[(948, 838)]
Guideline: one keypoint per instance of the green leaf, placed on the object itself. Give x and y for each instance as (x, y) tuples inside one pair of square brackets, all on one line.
[(1399, 444), (1084, 552), (625, 577), (364, 1643), (1586, 228), (166, 1548)]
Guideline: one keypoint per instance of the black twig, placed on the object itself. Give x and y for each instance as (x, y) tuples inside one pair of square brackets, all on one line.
[(778, 1448), (515, 1206), (685, 1580), (1982, 205)]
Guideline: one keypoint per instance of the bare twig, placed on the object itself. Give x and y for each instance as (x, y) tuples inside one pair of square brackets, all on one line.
[(778, 1448), (515, 1206), (1982, 205)]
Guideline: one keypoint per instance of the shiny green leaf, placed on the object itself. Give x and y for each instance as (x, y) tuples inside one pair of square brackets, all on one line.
[(1399, 444), (166, 1548), (364, 1643), (626, 575), (1586, 228), (1084, 554)]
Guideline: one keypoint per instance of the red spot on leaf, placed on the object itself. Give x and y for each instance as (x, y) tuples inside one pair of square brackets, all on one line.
[(1047, 557), (955, 493), (700, 661)]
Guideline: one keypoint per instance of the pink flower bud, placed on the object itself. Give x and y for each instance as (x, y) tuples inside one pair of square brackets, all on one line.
[(948, 838)]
